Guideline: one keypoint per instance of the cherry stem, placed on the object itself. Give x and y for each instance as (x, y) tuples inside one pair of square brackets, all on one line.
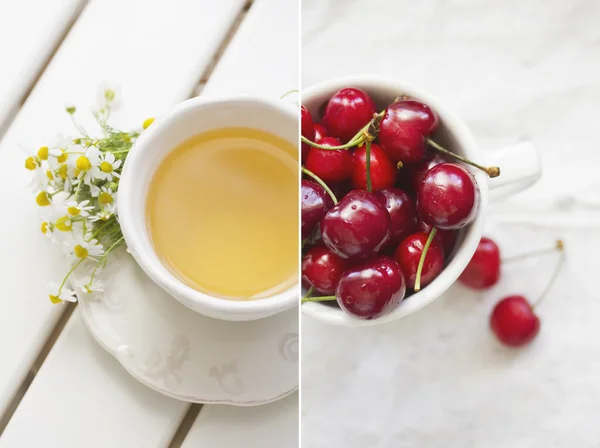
[(491, 171), (362, 136), (348, 145), (321, 183), (560, 246), (422, 260), (318, 299), (309, 293), (288, 93), (368, 154)]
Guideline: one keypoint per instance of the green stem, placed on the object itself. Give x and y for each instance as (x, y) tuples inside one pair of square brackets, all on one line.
[(492, 171), (69, 274), (422, 259), (558, 246), (288, 93), (368, 155), (318, 299), (103, 259), (309, 293), (321, 183), (348, 145), (557, 270)]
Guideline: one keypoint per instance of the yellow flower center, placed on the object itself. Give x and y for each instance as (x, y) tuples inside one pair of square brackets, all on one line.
[(43, 153), (147, 123), (76, 172), (44, 227), (81, 252), (109, 94), (64, 224), (105, 198), (106, 167), (54, 299), (88, 289), (63, 157), (73, 211), (62, 171), (49, 175), (30, 163), (42, 199), (83, 164)]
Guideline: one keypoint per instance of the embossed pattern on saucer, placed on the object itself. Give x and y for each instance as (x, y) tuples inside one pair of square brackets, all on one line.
[(183, 354)]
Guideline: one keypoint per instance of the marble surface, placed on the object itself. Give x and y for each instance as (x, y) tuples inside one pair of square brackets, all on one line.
[(514, 70)]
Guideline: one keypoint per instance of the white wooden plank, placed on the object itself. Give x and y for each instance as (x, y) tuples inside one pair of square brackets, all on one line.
[(263, 58), (156, 51), (29, 32), (274, 425)]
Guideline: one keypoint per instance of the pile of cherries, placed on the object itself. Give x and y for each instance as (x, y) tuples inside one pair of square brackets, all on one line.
[(382, 203)]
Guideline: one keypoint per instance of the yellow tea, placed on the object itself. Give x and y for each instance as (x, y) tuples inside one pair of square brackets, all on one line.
[(222, 212)]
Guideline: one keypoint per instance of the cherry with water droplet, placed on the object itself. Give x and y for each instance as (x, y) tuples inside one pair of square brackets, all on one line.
[(408, 255), (514, 322), (371, 289), (347, 112), (483, 271), (322, 269), (314, 203), (448, 197), (357, 227), (403, 213), (413, 174), (330, 165), (383, 170)]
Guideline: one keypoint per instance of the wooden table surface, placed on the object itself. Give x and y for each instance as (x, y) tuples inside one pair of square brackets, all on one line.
[(58, 387)]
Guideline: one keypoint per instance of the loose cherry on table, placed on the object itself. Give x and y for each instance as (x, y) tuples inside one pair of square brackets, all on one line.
[(357, 227), (307, 130), (382, 170), (314, 203), (322, 269), (347, 112), (371, 289), (403, 213), (408, 255), (329, 165), (448, 197), (483, 271)]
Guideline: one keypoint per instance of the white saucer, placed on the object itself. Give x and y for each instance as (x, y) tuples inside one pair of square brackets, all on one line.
[(183, 354)]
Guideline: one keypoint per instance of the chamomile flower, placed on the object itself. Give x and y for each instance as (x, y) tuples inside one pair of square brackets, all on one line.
[(106, 196), (58, 294), (86, 165), (103, 215), (82, 208), (85, 246), (108, 166), (109, 95), (88, 286)]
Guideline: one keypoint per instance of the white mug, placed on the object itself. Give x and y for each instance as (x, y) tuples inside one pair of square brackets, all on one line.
[(187, 120), (519, 167)]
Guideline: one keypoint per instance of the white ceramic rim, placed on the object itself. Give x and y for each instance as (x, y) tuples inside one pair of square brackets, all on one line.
[(143, 252), (471, 236)]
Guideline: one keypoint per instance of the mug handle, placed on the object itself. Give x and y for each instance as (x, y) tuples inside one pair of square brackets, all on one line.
[(520, 167)]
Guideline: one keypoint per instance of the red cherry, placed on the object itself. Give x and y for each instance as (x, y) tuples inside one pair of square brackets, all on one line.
[(330, 165), (314, 203), (320, 132), (483, 270), (447, 238), (383, 170), (402, 132), (322, 269), (308, 130), (347, 112), (413, 174), (357, 227), (402, 212), (371, 289), (448, 197), (513, 321), (408, 254)]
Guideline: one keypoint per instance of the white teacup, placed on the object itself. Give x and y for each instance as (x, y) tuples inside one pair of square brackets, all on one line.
[(187, 120), (519, 166)]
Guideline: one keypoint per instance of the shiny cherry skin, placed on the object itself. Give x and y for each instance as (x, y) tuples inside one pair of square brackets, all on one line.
[(448, 197), (408, 254), (383, 170), (513, 321), (413, 174), (322, 269), (314, 203), (403, 129), (320, 132), (308, 130), (447, 238), (330, 166), (347, 112), (372, 288), (483, 271), (357, 227), (403, 213)]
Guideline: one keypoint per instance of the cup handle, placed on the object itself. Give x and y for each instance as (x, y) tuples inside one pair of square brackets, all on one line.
[(520, 167)]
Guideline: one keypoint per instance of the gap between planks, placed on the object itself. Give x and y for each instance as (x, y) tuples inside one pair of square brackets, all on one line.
[(194, 409), (12, 115)]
